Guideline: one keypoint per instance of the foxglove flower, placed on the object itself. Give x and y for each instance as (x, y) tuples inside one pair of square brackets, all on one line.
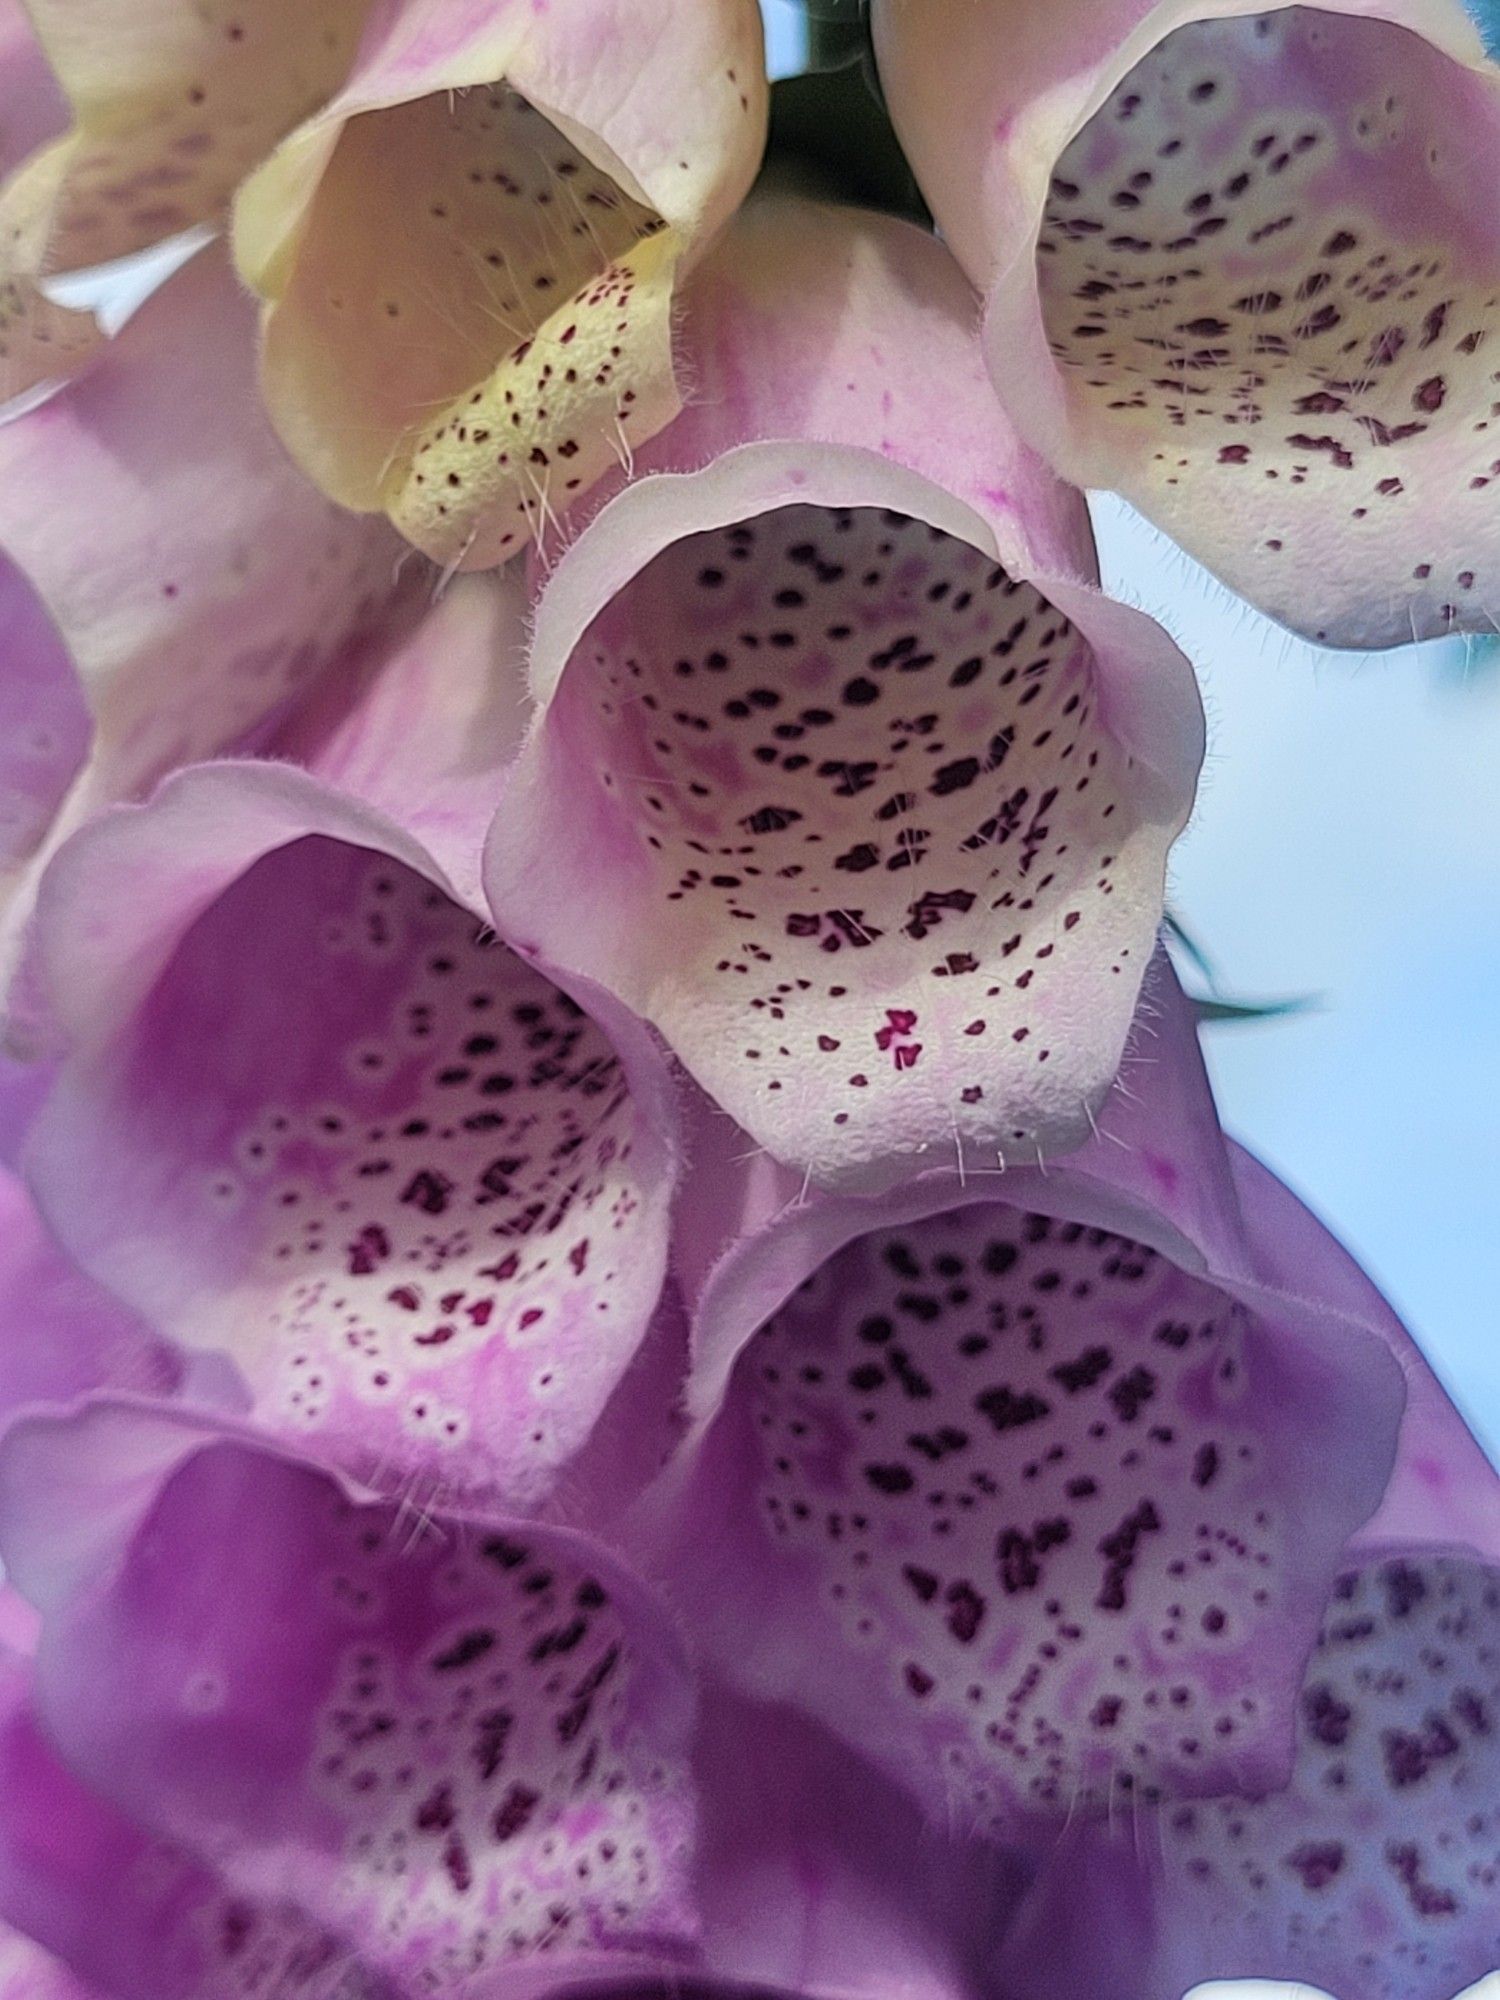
[(844, 774), (469, 255), (168, 581), (171, 108), (1238, 268), (355, 1754), (1034, 1486), (312, 1117), (1374, 1870)]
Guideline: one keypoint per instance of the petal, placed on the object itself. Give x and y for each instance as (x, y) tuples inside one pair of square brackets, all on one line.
[(469, 256), (458, 1741), (171, 109), (1236, 270), (315, 1118), (845, 778), (44, 721), (38, 337), (1374, 1872), (819, 1877), (195, 579), (60, 1335), (1033, 1488)]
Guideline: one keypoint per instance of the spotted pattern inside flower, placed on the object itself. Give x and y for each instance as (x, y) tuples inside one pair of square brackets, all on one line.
[(1385, 1850), (497, 1795), (172, 118), (517, 341), (864, 772), (1273, 290), (1025, 1459), (430, 1232)]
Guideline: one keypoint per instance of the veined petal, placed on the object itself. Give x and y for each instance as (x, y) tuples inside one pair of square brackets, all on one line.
[(1033, 1488), (844, 775), (171, 108), (454, 1744), (196, 581), (469, 256), (1236, 269), (316, 1118)]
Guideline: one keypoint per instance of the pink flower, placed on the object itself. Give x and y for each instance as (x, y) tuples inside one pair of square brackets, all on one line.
[(1235, 269), (470, 254), (171, 107), (312, 1117), (168, 581), (843, 773)]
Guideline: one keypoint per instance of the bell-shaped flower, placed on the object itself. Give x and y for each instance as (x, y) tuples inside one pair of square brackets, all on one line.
[(1374, 1870), (288, 1739), (1239, 267), (469, 256), (171, 107), (1033, 1486), (313, 1117), (168, 580), (844, 774), (447, 1746)]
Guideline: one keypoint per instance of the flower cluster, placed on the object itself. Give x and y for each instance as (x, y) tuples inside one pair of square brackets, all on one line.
[(631, 1357)]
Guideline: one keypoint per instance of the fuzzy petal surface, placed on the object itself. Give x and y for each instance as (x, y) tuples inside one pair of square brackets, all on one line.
[(315, 1117), (455, 1743), (469, 256), (1238, 268), (1033, 1488), (844, 774)]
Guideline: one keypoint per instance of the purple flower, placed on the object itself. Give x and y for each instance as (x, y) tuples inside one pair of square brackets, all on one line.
[(1031, 1485), (168, 582), (844, 775), (1235, 270), (327, 1125), (470, 253)]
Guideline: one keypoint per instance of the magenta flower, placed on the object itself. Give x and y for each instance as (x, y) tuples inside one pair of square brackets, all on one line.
[(632, 1360), (1235, 269), (1373, 1870), (844, 775), (1032, 1485), (450, 1755), (415, 1191)]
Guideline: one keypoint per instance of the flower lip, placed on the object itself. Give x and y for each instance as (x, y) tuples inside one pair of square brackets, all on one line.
[(1222, 303), (526, 1677), (1049, 1474), (428, 1226), (1233, 271), (791, 541)]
